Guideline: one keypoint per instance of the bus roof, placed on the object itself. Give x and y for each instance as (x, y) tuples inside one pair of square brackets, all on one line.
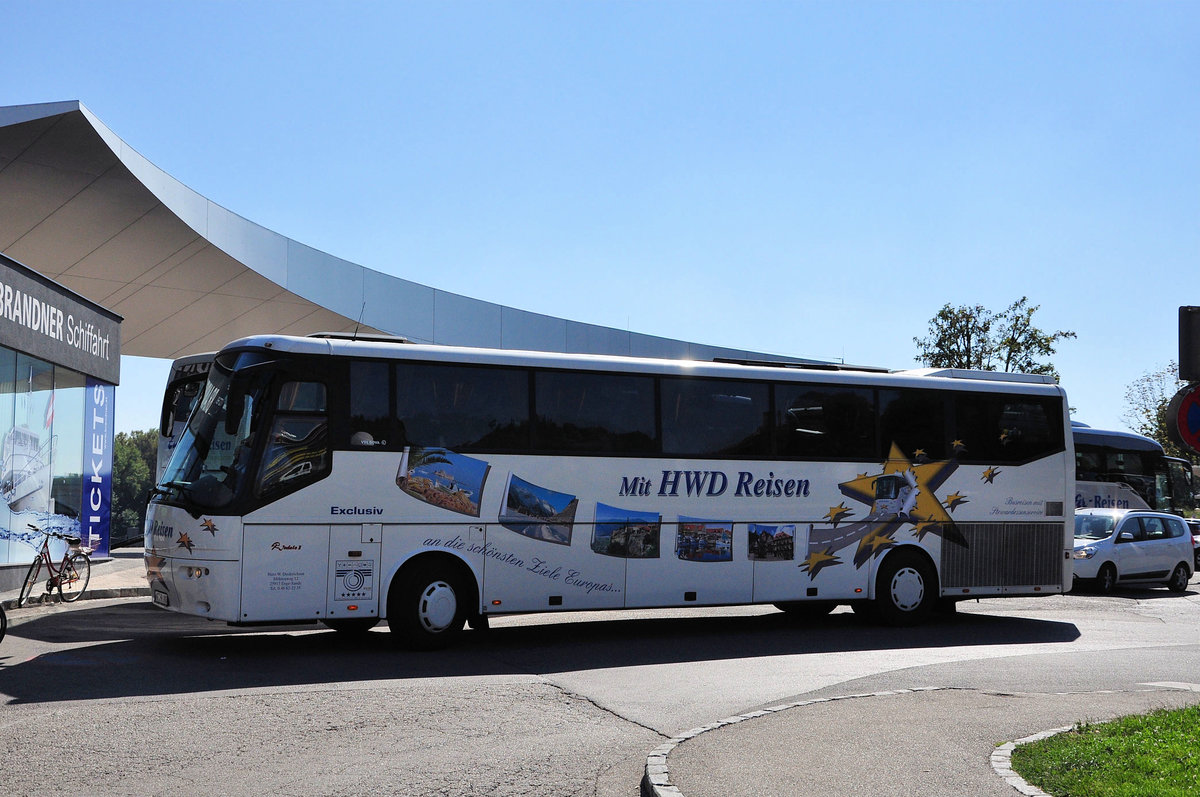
[(945, 378), (1113, 439)]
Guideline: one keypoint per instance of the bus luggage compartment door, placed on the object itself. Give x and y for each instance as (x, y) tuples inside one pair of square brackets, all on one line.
[(284, 572), (354, 571)]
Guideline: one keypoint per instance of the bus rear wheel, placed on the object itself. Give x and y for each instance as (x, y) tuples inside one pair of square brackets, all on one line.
[(905, 589), (427, 609)]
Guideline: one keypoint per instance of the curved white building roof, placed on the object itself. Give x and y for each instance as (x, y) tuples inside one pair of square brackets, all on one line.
[(81, 206)]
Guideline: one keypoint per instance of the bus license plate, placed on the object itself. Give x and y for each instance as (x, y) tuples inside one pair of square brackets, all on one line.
[(161, 598)]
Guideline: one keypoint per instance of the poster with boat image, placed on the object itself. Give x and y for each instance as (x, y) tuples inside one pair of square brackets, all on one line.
[(538, 512), (704, 540), (442, 478)]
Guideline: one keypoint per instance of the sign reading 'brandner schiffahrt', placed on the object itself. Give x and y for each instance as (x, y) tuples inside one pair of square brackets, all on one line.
[(44, 319)]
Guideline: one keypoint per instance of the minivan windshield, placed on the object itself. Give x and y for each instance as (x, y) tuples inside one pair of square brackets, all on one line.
[(211, 461), (1094, 527)]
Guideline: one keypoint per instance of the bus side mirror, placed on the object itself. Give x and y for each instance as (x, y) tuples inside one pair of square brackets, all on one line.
[(166, 419)]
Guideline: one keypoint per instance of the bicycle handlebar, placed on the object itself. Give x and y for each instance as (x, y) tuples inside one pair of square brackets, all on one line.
[(71, 538)]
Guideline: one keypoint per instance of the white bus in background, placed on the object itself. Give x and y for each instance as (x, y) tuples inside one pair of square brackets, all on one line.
[(347, 481), (184, 384), (1122, 470)]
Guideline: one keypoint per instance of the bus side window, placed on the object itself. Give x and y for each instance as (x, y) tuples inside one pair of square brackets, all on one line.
[(297, 448), (462, 407), (594, 413), (371, 407), (711, 417), (824, 421), (914, 420)]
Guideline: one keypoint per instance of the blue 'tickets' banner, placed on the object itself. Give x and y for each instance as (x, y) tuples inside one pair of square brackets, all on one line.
[(95, 514)]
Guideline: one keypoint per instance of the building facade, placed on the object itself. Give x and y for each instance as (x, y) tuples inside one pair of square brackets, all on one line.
[(59, 363)]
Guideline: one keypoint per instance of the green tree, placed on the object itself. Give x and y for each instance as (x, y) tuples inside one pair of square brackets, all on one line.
[(134, 456), (1146, 400), (975, 337)]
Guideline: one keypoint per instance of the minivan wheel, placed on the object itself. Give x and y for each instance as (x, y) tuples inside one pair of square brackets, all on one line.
[(1106, 579), (1179, 578)]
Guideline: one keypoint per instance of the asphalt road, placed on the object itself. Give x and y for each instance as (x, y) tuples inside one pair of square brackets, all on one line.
[(140, 701)]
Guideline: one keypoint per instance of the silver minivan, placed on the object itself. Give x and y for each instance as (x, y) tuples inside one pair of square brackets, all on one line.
[(1122, 546)]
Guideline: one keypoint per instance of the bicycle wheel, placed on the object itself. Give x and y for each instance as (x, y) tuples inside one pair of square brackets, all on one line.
[(74, 576), (35, 569)]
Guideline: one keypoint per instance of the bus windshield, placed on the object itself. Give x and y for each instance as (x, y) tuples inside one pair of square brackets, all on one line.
[(211, 462)]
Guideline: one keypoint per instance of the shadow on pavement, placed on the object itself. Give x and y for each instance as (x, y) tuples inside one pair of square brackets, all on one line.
[(143, 651)]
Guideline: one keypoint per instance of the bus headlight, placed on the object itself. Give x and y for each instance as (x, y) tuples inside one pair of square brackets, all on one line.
[(195, 572), (1085, 553)]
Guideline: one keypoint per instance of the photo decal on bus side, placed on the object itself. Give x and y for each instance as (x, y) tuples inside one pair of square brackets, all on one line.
[(771, 543), (704, 540), (538, 512), (626, 533), (443, 478)]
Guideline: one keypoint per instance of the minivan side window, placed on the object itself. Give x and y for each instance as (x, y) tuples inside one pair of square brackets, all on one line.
[(1132, 525), (1155, 528)]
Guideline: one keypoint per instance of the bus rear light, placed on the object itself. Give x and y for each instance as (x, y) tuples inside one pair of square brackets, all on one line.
[(858, 590), (495, 603), (352, 608)]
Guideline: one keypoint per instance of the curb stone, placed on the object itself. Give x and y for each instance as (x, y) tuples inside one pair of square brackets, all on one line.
[(91, 594), (1002, 762)]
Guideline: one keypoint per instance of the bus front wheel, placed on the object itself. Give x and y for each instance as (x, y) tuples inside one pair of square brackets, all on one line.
[(427, 609), (905, 589)]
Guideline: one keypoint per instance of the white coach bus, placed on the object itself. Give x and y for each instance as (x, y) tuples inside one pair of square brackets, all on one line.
[(347, 481)]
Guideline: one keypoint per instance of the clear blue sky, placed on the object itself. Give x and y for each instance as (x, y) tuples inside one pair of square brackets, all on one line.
[(814, 179)]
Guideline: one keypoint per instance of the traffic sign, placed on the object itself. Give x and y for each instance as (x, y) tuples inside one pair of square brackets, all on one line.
[(1183, 418)]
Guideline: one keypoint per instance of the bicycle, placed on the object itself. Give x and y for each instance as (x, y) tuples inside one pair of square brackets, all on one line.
[(70, 577)]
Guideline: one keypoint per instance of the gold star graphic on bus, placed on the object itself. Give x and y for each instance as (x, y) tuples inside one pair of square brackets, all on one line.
[(904, 493), (185, 541), (861, 488), (926, 479), (154, 568), (837, 513), (955, 500), (958, 446), (209, 526), (818, 560), (990, 474), (875, 543), (926, 527)]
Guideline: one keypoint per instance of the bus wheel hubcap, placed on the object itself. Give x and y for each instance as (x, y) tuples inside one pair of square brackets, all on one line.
[(438, 606), (908, 589)]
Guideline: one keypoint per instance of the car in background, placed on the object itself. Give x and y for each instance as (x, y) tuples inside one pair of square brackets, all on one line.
[(1194, 526), (1121, 546)]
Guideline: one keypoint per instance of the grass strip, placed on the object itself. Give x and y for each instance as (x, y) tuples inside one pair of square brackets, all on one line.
[(1147, 755)]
